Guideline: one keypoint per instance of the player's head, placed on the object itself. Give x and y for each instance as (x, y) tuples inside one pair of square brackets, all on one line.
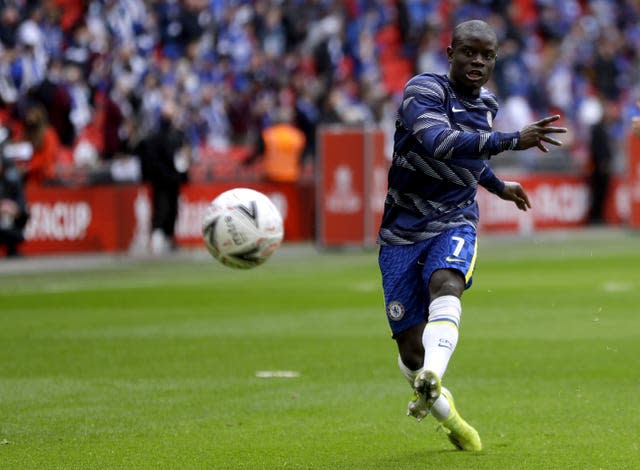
[(472, 55)]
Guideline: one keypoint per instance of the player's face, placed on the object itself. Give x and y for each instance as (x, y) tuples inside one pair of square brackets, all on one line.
[(471, 62)]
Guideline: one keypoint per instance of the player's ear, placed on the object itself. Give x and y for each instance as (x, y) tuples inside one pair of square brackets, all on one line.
[(450, 53)]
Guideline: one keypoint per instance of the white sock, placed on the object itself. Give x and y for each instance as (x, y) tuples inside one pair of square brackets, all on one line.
[(409, 374), (440, 336), (441, 408)]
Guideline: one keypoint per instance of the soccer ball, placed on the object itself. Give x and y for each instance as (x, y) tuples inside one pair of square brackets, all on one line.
[(242, 228)]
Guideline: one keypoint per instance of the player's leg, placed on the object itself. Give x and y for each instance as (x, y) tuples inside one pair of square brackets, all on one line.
[(440, 336), (452, 260), (448, 271), (412, 352), (405, 297), (406, 306)]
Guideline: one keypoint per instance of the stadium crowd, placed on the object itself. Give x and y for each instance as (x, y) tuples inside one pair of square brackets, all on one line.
[(102, 70)]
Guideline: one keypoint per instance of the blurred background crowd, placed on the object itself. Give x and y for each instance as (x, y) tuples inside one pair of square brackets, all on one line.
[(88, 80)]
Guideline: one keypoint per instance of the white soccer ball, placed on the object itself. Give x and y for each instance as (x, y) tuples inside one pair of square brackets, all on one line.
[(242, 228)]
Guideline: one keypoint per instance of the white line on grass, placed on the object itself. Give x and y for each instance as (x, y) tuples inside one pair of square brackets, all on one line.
[(279, 374)]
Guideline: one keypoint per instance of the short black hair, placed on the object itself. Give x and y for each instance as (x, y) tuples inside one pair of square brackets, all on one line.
[(471, 27)]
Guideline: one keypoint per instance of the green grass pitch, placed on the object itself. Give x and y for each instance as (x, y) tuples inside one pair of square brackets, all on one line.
[(138, 363)]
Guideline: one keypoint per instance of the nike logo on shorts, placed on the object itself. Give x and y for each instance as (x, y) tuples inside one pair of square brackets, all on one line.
[(457, 110), (451, 259)]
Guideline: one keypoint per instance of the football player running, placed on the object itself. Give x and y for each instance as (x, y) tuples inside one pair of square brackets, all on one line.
[(442, 144)]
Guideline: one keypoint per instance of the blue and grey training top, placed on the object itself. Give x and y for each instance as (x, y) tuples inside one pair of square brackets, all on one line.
[(441, 146)]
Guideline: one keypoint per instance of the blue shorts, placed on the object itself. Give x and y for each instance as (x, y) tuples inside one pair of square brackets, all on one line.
[(406, 270)]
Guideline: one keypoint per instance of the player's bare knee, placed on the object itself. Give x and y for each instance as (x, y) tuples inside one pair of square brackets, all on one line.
[(446, 282)]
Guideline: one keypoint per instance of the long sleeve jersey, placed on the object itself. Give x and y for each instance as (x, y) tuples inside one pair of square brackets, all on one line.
[(442, 144)]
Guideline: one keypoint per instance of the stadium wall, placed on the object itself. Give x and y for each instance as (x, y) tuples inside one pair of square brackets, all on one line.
[(352, 181), (342, 207), (117, 218), (633, 177)]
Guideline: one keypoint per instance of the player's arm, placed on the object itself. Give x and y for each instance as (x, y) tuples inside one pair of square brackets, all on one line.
[(507, 190), (513, 192), (424, 114)]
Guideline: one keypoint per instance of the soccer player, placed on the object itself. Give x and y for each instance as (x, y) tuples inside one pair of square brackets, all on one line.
[(443, 140)]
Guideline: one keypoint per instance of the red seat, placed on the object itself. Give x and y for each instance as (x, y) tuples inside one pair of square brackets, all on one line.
[(395, 73)]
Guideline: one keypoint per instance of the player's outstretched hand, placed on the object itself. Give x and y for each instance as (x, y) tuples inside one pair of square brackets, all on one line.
[(514, 192), (538, 132)]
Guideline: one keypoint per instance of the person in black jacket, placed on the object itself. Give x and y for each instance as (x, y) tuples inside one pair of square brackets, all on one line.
[(166, 155), (601, 155), (14, 212)]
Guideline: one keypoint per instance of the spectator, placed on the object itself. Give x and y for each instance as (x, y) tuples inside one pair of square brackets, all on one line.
[(606, 66), (40, 168), (307, 112), (280, 146), (166, 156), (52, 93), (250, 50), (601, 157), (29, 67), (9, 23), (13, 208)]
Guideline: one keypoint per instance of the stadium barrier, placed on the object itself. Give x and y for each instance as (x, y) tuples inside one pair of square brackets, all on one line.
[(633, 159), (342, 207), (117, 218), (557, 201), (352, 179)]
